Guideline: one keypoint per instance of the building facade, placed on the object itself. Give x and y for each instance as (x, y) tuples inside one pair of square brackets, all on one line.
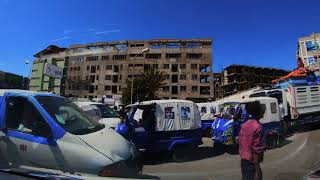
[(236, 78), (101, 69), (309, 51), (39, 81), (217, 86)]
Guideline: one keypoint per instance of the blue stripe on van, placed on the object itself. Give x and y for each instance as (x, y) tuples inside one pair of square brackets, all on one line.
[(30, 137)]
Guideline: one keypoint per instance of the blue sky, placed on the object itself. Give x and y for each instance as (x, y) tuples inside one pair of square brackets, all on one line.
[(262, 33)]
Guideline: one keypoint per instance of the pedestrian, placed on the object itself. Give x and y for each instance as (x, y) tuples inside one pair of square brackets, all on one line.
[(251, 143)]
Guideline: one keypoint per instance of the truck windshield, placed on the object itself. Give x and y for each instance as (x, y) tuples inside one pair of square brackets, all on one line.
[(107, 112), (229, 110), (68, 115)]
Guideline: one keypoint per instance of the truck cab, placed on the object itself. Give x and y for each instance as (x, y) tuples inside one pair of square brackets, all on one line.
[(48, 131)]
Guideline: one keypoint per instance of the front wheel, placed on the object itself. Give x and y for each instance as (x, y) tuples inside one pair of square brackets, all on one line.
[(180, 153), (272, 141), (208, 132)]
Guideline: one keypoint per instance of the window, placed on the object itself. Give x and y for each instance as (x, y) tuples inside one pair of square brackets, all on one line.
[(22, 116), (173, 45), (193, 45), (194, 88), (93, 69), (92, 78), (183, 88), (116, 68), (194, 55), (166, 66), (204, 68), (96, 87), (194, 77), (183, 66), (273, 107), (92, 58), (203, 110), (167, 76), (108, 77), (204, 78), (97, 78), (153, 56), (205, 90), (155, 66), (119, 57), (174, 67), (68, 115), (105, 58), (165, 88), (174, 78), (173, 55), (108, 67), (115, 79), (107, 88), (183, 77), (174, 90), (114, 89), (88, 68), (98, 67), (194, 66)]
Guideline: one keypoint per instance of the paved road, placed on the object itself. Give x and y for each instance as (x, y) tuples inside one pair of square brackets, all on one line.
[(297, 156)]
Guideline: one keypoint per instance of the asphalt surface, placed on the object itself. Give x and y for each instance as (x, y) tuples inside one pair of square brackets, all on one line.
[(297, 156)]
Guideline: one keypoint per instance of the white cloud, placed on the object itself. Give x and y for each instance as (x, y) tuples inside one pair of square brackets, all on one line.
[(61, 39), (2, 64), (108, 31), (67, 31)]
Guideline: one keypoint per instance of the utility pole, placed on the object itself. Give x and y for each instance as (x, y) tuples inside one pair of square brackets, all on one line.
[(133, 72)]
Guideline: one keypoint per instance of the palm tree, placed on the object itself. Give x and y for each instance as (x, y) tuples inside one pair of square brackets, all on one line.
[(145, 87)]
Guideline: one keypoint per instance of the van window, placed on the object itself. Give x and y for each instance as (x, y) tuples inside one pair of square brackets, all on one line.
[(69, 116), (203, 110), (22, 116), (273, 107)]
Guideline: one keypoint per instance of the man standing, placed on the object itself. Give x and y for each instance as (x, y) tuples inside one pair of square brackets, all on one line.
[(251, 143)]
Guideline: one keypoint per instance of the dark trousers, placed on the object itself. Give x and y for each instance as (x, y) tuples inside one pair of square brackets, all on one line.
[(247, 170)]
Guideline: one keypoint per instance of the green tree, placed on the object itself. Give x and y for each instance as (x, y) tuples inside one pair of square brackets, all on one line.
[(145, 87)]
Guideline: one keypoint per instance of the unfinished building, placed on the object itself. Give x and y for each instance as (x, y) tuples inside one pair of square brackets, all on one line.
[(236, 78)]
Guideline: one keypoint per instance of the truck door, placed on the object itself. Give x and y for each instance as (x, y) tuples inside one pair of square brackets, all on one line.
[(28, 134)]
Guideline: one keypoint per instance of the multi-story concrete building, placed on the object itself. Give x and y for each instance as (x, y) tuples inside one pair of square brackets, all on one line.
[(39, 81), (236, 78), (98, 69), (309, 51)]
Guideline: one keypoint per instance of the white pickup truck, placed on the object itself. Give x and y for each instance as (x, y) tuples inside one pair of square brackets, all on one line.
[(298, 104)]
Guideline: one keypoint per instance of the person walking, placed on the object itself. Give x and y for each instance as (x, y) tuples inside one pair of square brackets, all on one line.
[(251, 143)]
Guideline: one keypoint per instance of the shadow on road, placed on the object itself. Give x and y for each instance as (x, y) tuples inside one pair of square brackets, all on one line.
[(196, 154), (284, 143)]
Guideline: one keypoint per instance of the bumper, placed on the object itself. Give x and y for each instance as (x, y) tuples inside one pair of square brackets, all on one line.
[(124, 168)]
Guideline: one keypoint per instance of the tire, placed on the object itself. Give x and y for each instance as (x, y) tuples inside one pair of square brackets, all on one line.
[(272, 141), (208, 132), (219, 147), (180, 153)]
